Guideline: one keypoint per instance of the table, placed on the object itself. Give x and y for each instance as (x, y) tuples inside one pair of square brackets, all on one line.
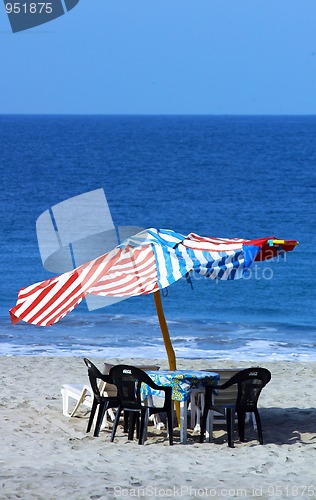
[(182, 383)]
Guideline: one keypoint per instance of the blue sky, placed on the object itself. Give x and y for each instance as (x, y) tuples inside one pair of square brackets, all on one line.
[(164, 57)]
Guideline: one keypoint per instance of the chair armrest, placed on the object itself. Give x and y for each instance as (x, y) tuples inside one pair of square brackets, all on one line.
[(165, 388), (106, 378), (221, 387), (168, 395)]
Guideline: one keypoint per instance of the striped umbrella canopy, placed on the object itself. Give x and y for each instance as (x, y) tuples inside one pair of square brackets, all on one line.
[(145, 263)]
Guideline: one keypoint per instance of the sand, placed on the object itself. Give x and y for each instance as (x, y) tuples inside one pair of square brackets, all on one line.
[(45, 455)]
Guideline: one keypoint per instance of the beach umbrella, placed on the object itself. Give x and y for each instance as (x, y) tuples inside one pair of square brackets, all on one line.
[(146, 263)]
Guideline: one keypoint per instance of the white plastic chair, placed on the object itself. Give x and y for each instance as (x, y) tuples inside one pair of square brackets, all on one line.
[(82, 395)]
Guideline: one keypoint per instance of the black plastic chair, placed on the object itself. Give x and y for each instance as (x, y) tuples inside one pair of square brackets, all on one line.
[(103, 402), (250, 383), (128, 380)]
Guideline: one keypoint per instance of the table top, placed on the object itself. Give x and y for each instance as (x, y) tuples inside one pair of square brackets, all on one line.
[(181, 381)]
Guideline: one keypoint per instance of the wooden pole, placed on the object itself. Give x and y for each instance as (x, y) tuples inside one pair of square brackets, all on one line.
[(166, 338), (165, 332)]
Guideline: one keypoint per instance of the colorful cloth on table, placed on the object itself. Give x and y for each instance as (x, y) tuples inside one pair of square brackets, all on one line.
[(181, 381)]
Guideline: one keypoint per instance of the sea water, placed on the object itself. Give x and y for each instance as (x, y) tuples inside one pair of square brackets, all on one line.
[(222, 176)]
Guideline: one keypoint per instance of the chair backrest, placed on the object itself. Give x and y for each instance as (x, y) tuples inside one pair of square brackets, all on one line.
[(97, 379), (107, 367), (112, 389), (229, 396), (128, 380), (250, 383)]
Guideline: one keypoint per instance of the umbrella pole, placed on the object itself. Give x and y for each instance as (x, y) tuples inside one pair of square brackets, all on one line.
[(166, 338), (165, 332)]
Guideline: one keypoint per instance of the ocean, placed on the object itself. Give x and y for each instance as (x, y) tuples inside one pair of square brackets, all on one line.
[(223, 176)]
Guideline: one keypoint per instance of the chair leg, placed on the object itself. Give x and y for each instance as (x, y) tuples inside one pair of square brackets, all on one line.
[(132, 421), (259, 427), (126, 419), (65, 396), (92, 414), (230, 417), (80, 401), (115, 424), (241, 425), (102, 409), (111, 414), (137, 427), (143, 424), (199, 407), (203, 423), (170, 427), (157, 421), (194, 408), (210, 425), (254, 423)]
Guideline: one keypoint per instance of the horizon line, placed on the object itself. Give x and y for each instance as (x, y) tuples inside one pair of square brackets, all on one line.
[(165, 114)]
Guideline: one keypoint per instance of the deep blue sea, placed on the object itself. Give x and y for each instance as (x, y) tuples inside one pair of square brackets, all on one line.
[(229, 176)]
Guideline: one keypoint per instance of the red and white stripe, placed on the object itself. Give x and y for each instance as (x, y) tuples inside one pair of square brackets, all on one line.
[(119, 273), (196, 242)]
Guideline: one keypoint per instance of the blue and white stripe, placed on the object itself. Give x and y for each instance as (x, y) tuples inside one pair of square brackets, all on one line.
[(176, 255)]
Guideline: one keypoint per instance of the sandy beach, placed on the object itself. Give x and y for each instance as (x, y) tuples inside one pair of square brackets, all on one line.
[(45, 455)]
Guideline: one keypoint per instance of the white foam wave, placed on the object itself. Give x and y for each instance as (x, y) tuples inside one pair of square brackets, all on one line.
[(252, 351)]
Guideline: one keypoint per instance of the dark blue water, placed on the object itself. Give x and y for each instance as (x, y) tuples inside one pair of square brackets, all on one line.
[(219, 176)]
